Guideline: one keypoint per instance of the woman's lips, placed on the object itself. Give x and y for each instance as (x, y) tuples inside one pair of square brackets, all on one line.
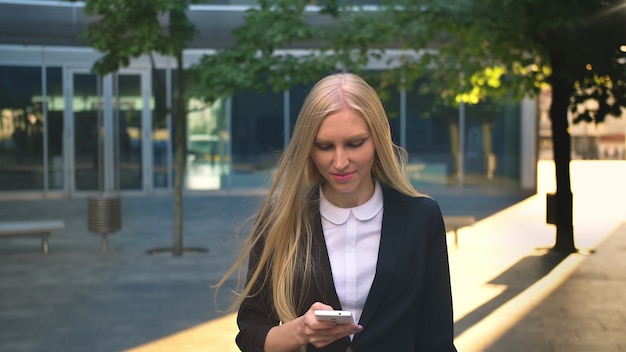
[(343, 176)]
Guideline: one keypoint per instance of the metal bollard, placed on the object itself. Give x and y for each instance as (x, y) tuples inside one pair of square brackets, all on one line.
[(104, 216)]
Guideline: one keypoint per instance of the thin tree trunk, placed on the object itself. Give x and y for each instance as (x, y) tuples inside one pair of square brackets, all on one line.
[(561, 89), (180, 132), (488, 155), (453, 127)]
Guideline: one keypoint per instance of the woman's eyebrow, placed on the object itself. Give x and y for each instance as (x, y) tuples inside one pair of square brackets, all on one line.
[(351, 138)]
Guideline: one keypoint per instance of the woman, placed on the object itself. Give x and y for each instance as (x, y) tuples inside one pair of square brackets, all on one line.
[(342, 228)]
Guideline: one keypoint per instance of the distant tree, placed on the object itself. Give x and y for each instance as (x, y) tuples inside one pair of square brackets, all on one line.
[(471, 50), (127, 29)]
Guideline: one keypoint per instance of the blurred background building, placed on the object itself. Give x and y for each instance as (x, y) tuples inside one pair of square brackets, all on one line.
[(66, 132)]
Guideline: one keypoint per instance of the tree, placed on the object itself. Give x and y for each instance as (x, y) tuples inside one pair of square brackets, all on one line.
[(472, 50), (127, 29), (573, 46)]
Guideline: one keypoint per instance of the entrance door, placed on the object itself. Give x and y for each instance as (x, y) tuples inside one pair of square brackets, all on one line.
[(107, 119), (132, 130)]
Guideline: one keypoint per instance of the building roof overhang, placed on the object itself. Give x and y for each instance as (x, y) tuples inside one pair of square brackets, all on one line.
[(60, 23)]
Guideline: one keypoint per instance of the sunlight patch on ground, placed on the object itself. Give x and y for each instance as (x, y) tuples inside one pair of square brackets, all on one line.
[(215, 335), (487, 331)]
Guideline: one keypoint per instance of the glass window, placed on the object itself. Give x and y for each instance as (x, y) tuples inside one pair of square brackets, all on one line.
[(492, 149), (208, 160), (54, 125), (160, 131), (428, 138), (257, 137), (87, 108), (297, 94), (207, 138), (129, 141), (21, 129)]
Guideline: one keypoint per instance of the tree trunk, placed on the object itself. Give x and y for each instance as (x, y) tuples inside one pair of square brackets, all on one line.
[(180, 133), (488, 156), (561, 144), (453, 127)]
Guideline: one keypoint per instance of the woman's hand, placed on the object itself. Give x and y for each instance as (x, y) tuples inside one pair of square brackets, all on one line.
[(321, 333), (307, 329)]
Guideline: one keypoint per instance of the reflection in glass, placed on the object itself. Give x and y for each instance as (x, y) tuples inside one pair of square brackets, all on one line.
[(492, 152), (87, 110), (128, 109), (55, 105), (207, 139), (257, 137), (296, 98), (21, 129), (160, 132)]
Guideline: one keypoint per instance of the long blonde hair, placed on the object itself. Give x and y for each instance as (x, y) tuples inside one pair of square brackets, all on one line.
[(284, 222)]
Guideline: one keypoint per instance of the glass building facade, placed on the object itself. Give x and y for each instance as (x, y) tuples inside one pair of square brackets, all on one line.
[(66, 130)]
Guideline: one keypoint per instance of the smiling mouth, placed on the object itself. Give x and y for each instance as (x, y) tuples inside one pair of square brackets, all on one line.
[(343, 176)]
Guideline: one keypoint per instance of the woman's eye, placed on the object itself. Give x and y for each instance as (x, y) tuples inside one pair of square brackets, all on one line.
[(356, 144), (323, 146)]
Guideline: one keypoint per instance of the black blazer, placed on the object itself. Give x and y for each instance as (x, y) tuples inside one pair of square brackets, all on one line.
[(409, 306)]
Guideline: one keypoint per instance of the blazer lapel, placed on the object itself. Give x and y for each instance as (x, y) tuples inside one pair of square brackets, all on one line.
[(391, 238), (324, 290)]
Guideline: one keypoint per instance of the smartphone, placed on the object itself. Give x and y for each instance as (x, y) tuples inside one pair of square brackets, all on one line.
[(338, 316)]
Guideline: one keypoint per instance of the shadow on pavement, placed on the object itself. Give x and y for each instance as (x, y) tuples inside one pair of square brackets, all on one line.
[(517, 278)]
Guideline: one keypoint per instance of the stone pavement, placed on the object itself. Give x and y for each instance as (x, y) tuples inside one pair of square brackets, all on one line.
[(509, 295), (585, 312), (542, 301)]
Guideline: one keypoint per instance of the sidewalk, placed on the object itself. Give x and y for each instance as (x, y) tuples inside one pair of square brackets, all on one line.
[(508, 295), (541, 301), (580, 306)]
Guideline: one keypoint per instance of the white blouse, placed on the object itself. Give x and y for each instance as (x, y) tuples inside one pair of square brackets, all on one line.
[(352, 238)]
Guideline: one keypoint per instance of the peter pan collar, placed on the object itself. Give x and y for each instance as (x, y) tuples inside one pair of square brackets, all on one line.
[(363, 212)]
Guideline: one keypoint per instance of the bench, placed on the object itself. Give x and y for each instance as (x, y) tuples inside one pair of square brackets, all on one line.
[(456, 222), (34, 228)]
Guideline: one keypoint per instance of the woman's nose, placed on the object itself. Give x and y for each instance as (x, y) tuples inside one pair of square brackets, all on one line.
[(341, 160)]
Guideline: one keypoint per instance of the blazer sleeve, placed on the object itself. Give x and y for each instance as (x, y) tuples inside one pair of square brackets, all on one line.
[(435, 330), (256, 314)]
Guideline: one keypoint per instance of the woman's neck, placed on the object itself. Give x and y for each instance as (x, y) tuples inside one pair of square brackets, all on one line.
[(350, 199)]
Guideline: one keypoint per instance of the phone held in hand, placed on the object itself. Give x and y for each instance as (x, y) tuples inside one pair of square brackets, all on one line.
[(338, 316)]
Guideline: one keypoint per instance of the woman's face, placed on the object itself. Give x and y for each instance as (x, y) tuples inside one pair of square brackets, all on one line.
[(343, 152)]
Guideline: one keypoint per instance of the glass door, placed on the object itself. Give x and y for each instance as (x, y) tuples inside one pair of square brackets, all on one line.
[(107, 118), (129, 120), (84, 114)]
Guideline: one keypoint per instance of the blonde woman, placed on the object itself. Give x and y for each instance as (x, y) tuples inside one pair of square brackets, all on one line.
[(343, 229)]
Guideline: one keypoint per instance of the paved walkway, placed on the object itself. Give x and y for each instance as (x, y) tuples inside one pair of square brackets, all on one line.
[(508, 294)]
